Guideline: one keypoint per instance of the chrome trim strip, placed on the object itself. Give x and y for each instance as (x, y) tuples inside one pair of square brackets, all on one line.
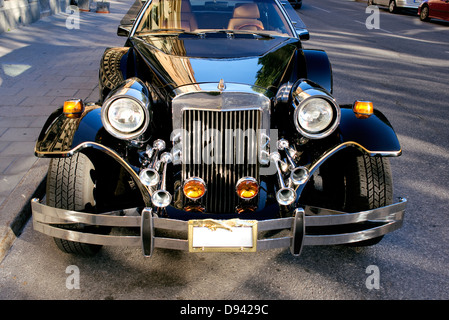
[(319, 240), (270, 244), (145, 191), (99, 239), (392, 212), (51, 215), (318, 162)]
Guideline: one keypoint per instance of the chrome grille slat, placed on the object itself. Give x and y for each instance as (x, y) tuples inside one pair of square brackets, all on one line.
[(229, 164)]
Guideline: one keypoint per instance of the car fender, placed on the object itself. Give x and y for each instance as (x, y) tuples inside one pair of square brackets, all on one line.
[(113, 69), (62, 137), (375, 135), (319, 69)]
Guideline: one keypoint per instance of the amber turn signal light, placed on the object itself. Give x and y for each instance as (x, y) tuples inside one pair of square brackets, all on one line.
[(363, 109), (73, 108), (247, 188), (194, 188)]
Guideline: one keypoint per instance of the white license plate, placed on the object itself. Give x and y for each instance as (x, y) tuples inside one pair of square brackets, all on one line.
[(222, 235)]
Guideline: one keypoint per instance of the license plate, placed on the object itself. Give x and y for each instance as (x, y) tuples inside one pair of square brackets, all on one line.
[(233, 235)]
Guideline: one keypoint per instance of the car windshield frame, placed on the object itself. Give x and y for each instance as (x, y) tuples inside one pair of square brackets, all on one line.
[(201, 17)]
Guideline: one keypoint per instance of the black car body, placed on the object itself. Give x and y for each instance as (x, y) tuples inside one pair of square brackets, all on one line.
[(215, 125)]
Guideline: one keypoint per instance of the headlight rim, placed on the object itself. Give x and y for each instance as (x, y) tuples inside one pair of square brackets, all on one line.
[(144, 105), (329, 129)]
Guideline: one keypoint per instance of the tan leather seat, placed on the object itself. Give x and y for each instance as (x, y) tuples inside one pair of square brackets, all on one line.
[(188, 20), (245, 17)]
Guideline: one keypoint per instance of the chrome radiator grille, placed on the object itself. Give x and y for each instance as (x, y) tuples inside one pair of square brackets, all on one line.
[(220, 146)]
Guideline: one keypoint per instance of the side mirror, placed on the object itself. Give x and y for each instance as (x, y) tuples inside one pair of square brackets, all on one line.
[(303, 34), (123, 30), (301, 30)]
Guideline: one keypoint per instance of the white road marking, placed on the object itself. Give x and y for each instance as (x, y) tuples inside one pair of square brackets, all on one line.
[(321, 9), (377, 29)]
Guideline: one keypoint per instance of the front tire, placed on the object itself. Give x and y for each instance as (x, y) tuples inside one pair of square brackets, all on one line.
[(369, 185), (71, 186), (392, 8), (353, 181)]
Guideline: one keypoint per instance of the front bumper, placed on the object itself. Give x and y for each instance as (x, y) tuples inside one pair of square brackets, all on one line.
[(380, 221)]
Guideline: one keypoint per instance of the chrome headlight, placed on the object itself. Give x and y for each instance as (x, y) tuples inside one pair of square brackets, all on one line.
[(316, 114), (125, 113)]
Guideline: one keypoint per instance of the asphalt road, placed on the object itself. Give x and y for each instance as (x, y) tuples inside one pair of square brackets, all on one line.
[(403, 68)]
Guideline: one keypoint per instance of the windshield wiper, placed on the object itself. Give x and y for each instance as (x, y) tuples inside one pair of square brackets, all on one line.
[(161, 30), (233, 33)]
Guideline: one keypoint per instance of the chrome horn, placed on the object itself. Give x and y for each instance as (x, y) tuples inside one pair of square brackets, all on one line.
[(298, 174), (162, 198), (149, 176), (285, 195)]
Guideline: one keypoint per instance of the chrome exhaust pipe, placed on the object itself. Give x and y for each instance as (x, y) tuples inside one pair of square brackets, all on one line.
[(162, 198), (149, 176), (298, 174), (285, 196)]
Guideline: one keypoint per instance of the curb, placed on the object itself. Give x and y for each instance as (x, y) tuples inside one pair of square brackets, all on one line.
[(15, 211)]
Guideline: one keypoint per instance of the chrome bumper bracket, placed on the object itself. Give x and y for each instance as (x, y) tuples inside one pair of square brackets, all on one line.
[(298, 231), (147, 232)]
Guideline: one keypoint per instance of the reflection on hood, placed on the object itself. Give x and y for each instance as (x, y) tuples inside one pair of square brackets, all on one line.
[(244, 58)]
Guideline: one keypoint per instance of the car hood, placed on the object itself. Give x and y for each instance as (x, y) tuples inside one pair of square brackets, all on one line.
[(176, 61)]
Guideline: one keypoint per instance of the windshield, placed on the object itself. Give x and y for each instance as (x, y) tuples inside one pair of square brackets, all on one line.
[(201, 16)]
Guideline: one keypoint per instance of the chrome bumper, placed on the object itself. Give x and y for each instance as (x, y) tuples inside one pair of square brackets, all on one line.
[(386, 219)]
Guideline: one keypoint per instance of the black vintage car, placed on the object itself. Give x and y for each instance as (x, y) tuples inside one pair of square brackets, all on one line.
[(216, 131)]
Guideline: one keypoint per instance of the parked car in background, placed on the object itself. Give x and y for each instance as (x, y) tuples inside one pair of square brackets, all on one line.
[(438, 9), (396, 5), (296, 3)]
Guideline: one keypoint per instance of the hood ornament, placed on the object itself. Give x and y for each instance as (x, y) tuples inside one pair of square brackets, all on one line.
[(221, 85)]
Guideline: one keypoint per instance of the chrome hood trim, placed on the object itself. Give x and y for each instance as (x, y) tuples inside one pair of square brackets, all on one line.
[(231, 97)]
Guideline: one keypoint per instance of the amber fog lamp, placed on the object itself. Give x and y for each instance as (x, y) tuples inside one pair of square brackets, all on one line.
[(73, 108), (247, 188), (363, 109), (194, 188)]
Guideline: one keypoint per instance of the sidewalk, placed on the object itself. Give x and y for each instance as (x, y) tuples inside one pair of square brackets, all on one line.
[(42, 65)]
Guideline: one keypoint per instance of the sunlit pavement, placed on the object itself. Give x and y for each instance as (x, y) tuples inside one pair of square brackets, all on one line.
[(42, 65)]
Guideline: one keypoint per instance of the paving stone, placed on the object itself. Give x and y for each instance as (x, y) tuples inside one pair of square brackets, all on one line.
[(20, 134), (20, 164), (15, 122), (17, 148)]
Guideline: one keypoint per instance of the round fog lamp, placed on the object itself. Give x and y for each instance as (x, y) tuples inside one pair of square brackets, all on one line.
[(247, 188), (194, 188)]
